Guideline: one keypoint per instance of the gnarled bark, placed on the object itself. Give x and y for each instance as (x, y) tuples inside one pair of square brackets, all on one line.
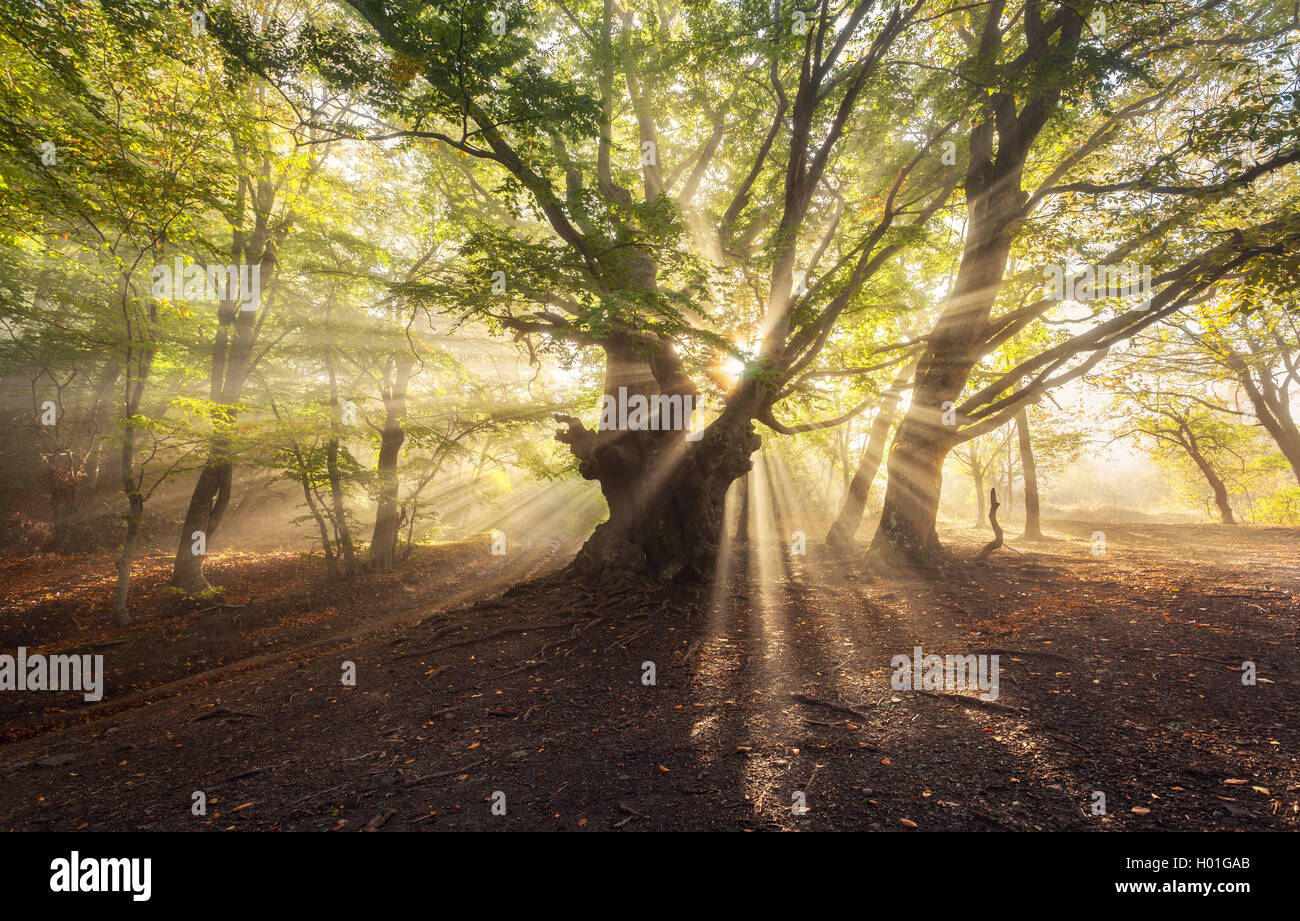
[(666, 495)]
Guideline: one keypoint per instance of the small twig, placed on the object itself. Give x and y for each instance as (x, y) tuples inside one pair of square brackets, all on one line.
[(830, 705)]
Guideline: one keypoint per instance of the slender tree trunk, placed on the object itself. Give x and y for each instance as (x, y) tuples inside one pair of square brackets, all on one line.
[(855, 497), (332, 462), (1033, 522), (1011, 471), (996, 542), (331, 561), (977, 474), (383, 542), (62, 473), (742, 526), (132, 482), (340, 512), (231, 362), (135, 512)]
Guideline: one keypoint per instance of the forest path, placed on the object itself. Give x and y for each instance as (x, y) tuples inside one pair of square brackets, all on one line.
[(1119, 675)]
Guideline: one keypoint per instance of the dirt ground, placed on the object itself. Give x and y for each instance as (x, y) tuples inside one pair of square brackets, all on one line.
[(484, 680)]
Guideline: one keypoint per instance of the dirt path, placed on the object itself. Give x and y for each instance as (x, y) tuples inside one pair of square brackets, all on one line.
[(1119, 675)]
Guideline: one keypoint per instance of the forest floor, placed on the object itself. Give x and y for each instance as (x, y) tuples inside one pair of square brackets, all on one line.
[(478, 675)]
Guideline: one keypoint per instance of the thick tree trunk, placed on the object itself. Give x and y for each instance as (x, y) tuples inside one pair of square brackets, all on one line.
[(907, 520), (1033, 520), (666, 502), (855, 498), (203, 516), (906, 532), (383, 542), (666, 495)]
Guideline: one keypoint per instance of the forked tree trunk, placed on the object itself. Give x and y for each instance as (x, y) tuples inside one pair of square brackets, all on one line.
[(1033, 521), (855, 498)]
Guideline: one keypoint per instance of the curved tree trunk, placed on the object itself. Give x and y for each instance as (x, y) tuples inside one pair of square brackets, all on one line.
[(907, 521), (1217, 486), (1033, 521), (987, 550), (999, 144), (1272, 408)]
